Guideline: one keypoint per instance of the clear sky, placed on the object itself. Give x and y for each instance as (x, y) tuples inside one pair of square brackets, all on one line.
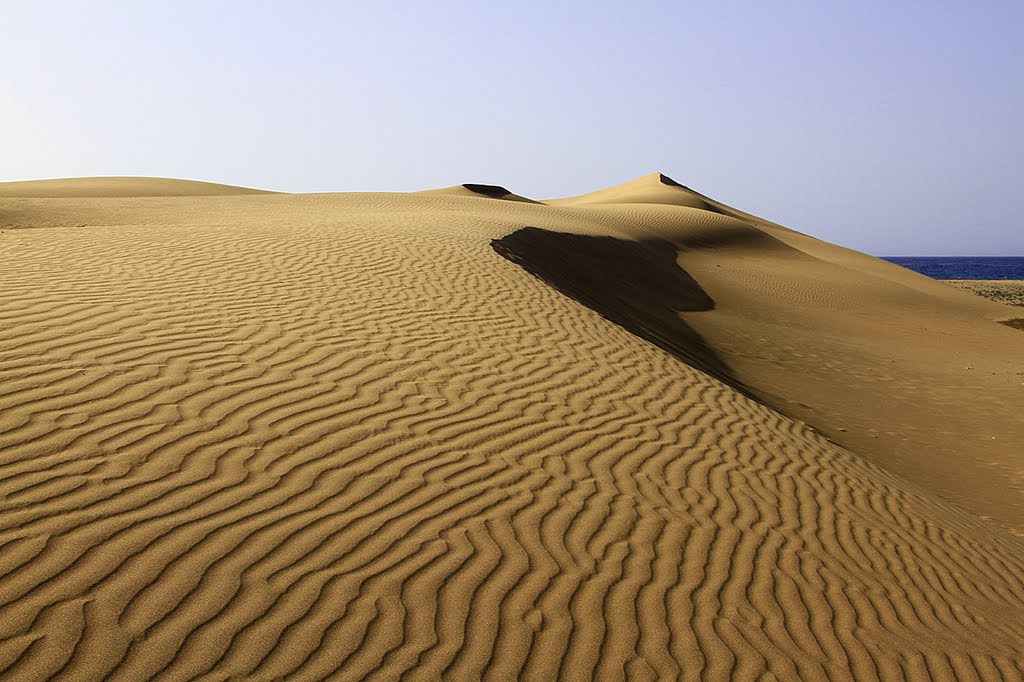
[(892, 127)]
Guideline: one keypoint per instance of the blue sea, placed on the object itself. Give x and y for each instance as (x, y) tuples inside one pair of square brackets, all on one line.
[(963, 267)]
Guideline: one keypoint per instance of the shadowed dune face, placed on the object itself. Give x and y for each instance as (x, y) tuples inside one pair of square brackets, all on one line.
[(636, 284)]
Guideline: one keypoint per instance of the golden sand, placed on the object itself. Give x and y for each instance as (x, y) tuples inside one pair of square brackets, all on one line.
[(461, 434)]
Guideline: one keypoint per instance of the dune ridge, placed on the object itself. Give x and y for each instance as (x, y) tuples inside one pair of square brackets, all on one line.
[(340, 435)]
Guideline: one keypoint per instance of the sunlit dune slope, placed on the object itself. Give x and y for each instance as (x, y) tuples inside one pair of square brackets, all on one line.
[(443, 435)]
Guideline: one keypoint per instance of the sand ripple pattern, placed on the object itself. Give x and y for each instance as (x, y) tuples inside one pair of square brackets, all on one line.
[(364, 451)]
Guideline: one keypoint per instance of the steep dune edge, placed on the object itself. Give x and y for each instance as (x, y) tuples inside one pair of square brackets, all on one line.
[(296, 437), (118, 187)]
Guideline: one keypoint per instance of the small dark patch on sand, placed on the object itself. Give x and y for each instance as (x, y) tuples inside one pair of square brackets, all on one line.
[(493, 191), (1016, 323), (636, 284)]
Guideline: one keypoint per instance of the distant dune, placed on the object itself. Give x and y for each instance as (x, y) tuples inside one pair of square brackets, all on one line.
[(119, 187), (478, 190), (464, 434)]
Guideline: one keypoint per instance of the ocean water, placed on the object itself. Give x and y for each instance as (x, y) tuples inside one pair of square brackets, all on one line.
[(963, 267)]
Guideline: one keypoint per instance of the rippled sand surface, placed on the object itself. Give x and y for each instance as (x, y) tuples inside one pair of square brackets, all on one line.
[(463, 434)]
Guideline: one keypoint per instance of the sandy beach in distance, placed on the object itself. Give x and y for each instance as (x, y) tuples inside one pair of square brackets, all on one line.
[(468, 434), (1008, 291)]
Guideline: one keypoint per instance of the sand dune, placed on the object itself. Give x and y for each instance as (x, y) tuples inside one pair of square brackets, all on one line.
[(437, 435)]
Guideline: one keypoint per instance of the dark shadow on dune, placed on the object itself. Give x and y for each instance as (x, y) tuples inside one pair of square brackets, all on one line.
[(1016, 323), (666, 180), (494, 191), (635, 284)]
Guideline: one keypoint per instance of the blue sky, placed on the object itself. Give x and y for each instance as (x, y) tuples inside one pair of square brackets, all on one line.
[(893, 128)]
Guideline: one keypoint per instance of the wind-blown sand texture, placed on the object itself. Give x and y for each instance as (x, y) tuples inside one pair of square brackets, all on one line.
[(633, 434)]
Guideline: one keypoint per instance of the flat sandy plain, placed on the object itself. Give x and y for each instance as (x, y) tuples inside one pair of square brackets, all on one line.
[(462, 434)]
